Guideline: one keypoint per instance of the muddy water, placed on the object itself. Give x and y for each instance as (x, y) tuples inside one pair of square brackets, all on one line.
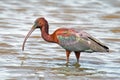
[(46, 61)]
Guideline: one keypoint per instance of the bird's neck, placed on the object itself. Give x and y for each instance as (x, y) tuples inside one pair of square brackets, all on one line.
[(45, 34)]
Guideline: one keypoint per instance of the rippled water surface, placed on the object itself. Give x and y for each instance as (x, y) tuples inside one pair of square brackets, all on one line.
[(46, 61)]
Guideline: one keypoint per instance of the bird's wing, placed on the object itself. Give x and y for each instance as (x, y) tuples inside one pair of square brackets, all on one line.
[(80, 41), (94, 43)]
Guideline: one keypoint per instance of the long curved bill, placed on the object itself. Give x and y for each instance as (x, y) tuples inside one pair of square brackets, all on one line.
[(27, 36)]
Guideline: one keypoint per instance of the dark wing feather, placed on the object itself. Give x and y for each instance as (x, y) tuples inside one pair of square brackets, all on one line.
[(99, 43), (94, 44)]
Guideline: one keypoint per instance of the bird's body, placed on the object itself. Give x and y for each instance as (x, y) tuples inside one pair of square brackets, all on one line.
[(69, 39), (72, 40)]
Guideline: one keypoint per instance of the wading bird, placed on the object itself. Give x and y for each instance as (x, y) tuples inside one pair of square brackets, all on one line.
[(69, 39)]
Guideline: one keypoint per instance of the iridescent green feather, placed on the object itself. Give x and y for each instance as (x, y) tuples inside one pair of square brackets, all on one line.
[(72, 43), (81, 41)]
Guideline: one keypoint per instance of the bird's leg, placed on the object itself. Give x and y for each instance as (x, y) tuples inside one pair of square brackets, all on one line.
[(77, 54), (67, 56)]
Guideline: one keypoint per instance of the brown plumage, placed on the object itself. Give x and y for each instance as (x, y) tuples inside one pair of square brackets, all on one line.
[(69, 39)]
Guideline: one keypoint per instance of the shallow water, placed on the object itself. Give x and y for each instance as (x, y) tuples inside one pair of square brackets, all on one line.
[(46, 61)]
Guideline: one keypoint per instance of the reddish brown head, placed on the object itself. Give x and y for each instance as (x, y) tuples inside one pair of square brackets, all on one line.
[(39, 23)]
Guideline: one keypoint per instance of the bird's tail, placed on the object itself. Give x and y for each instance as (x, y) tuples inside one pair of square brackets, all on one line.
[(106, 49)]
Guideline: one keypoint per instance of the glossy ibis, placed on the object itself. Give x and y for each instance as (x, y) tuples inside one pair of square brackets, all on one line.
[(69, 39)]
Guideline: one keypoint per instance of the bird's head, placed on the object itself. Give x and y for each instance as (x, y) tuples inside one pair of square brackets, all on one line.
[(39, 23)]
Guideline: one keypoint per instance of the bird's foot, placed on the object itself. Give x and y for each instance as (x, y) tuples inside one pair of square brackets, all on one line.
[(67, 64), (76, 65)]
